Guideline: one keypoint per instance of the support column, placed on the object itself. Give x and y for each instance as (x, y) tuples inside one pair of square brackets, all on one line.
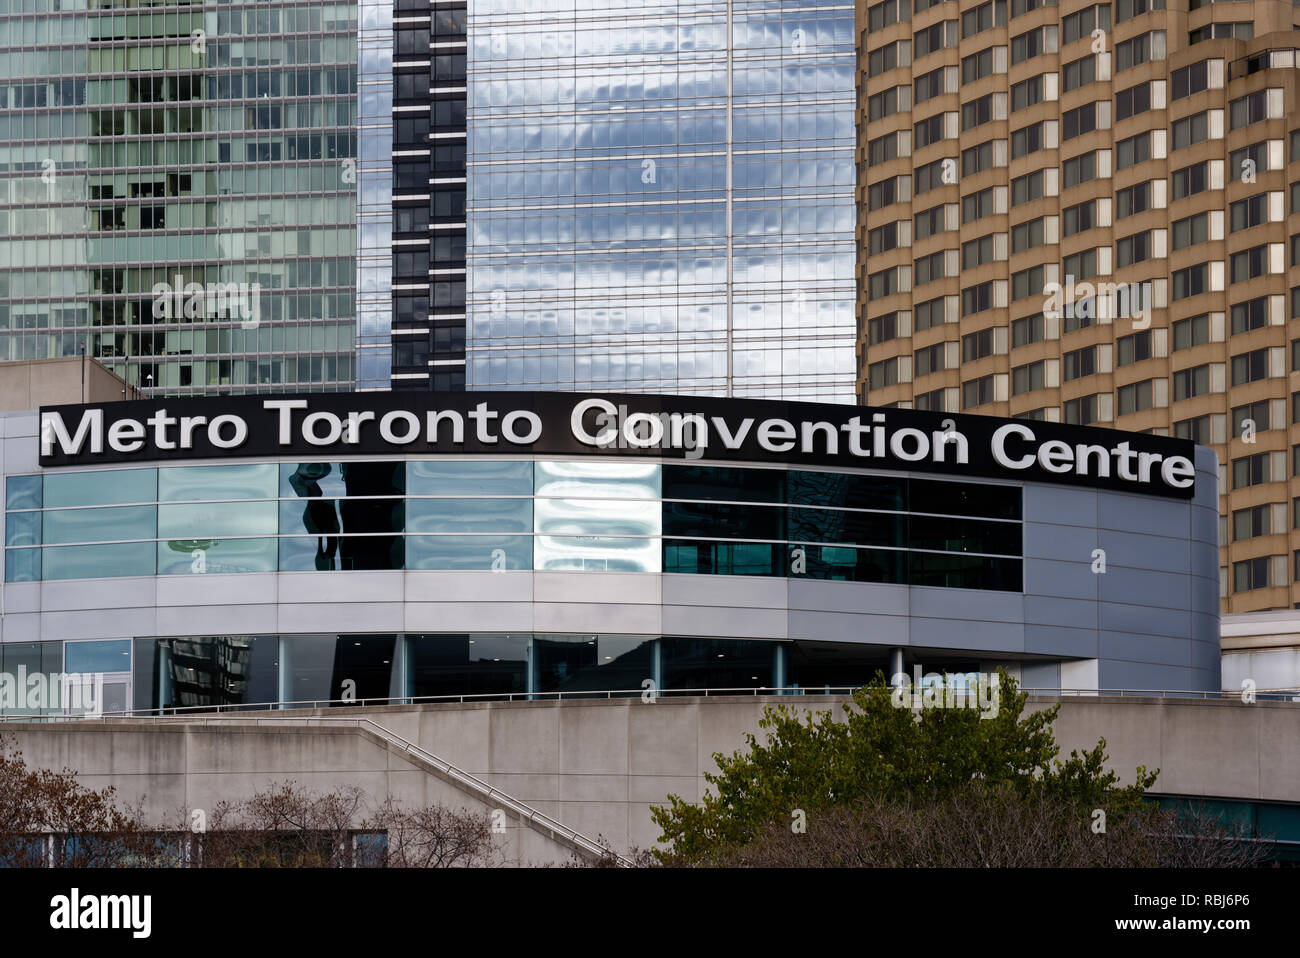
[(778, 667), (530, 671), (165, 687), (400, 679), (657, 664), (284, 692), (896, 668)]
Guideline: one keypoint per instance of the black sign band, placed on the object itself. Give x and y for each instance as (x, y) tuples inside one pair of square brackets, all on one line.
[(329, 425)]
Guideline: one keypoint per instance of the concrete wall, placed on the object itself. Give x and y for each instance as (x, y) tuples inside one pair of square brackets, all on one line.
[(598, 766), (30, 384), (170, 770)]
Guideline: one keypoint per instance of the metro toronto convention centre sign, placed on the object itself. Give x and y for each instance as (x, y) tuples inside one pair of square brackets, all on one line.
[(326, 425)]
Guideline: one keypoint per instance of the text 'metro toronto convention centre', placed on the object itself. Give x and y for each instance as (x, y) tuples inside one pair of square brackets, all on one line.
[(636, 425)]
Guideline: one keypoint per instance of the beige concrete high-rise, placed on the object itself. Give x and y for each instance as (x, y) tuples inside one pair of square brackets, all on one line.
[(1083, 212)]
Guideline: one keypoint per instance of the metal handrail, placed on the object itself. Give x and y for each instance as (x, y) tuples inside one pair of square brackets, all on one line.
[(475, 784), (399, 700), (1274, 695)]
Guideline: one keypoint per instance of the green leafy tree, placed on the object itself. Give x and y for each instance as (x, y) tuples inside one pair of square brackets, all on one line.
[(882, 749)]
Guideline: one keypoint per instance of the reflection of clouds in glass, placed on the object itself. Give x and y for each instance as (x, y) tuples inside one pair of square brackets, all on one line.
[(596, 554), (587, 517), (242, 481), (469, 515), (621, 480), (588, 120)]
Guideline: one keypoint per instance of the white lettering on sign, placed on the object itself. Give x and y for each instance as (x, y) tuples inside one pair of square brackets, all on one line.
[(83, 433), (1085, 459)]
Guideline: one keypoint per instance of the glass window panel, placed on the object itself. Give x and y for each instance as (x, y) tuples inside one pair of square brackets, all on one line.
[(98, 561), (859, 528), (964, 535), (596, 554), (371, 515), (468, 664), (612, 480), (311, 479), (609, 517), (972, 499), (241, 481), (206, 671), (853, 565), (114, 656), (469, 515), (144, 672), (724, 483), (371, 552), (724, 558), (303, 554), (44, 658), (315, 516), (22, 565), (469, 552), (848, 491), (23, 529), (964, 572), (319, 665), (716, 663), (99, 525), (439, 477), (325, 553), (579, 663), (812, 664), (106, 487), (311, 666), (23, 492), (211, 519), (716, 521), (210, 556), (373, 479)]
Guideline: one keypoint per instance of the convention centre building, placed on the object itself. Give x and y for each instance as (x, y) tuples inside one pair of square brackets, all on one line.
[(228, 551)]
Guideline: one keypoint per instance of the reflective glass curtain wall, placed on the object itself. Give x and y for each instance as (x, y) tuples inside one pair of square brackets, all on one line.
[(374, 193), (572, 516), (661, 198), (178, 190)]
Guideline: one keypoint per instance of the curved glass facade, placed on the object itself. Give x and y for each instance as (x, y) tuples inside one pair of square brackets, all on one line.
[(252, 671), (511, 514)]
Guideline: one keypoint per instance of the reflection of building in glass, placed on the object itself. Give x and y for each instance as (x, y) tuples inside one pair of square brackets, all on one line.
[(631, 198), (207, 671), (178, 191), (548, 515), (234, 671), (319, 516), (328, 519)]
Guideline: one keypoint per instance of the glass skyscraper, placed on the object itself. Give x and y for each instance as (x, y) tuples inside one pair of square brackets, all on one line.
[(256, 197), (178, 190), (661, 198)]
